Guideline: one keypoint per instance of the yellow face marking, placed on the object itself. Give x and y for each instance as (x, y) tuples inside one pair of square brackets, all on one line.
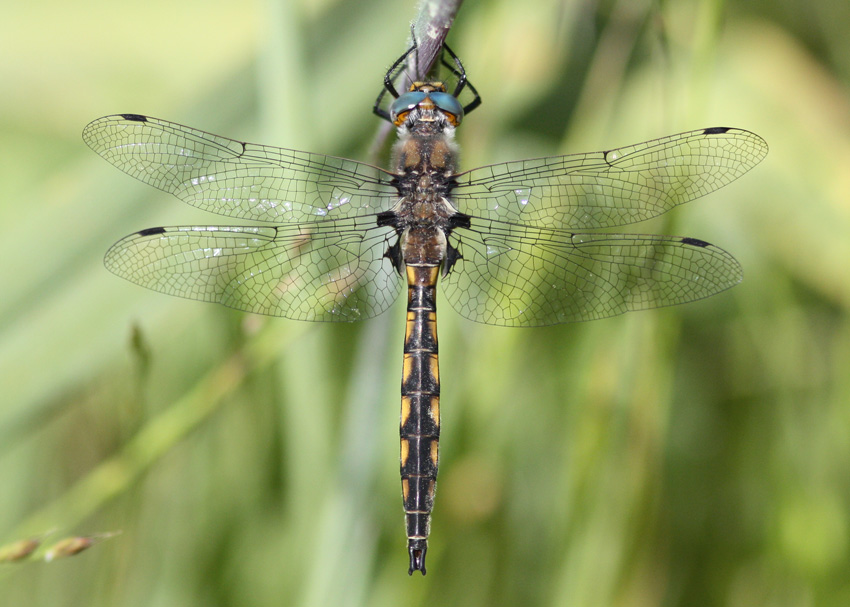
[(427, 104), (405, 488), (421, 85), (399, 120), (405, 409), (405, 451), (435, 450), (451, 118)]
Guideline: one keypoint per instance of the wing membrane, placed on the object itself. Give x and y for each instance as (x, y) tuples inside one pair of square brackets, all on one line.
[(522, 276), (329, 271), (612, 188), (236, 179), (522, 264)]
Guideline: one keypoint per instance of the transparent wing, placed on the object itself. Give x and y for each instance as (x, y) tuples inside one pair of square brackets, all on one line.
[(520, 276), (242, 180), (329, 271), (613, 188)]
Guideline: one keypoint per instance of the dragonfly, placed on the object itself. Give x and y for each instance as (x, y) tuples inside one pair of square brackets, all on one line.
[(511, 244)]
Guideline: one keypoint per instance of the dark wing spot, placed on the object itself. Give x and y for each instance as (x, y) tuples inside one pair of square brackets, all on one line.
[(393, 253), (696, 242), (387, 218), (151, 231), (716, 130), (459, 220), (452, 257), (134, 117)]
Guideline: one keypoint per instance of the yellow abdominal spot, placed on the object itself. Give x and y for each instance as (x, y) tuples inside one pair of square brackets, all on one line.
[(435, 410), (405, 409), (405, 451)]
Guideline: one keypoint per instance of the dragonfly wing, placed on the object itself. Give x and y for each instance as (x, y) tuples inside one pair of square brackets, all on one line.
[(611, 188), (519, 276), (330, 271), (236, 179)]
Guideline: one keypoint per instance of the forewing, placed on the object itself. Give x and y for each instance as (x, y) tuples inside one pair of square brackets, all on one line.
[(520, 276), (236, 179), (612, 188), (329, 271)]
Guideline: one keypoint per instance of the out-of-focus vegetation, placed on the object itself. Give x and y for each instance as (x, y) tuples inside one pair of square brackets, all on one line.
[(692, 456)]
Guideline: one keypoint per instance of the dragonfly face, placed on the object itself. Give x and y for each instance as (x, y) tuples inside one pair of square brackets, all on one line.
[(425, 102), (336, 240)]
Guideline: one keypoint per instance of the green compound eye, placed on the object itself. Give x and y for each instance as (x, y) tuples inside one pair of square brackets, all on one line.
[(448, 103), (405, 103), (444, 101)]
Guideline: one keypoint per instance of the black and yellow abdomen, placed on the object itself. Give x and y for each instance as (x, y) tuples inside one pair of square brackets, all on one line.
[(420, 408)]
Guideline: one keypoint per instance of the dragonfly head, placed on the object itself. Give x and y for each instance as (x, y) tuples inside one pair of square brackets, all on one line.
[(426, 102)]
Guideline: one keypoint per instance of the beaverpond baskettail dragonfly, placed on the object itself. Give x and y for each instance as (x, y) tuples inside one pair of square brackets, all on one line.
[(337, 239)]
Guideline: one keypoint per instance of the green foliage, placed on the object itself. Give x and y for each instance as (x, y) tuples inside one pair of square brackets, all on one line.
[(696, 455)]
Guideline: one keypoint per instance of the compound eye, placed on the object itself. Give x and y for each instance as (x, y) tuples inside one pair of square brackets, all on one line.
[(449, 104), (406, 102)]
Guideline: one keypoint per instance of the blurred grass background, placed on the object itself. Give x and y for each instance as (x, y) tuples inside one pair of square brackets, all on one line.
[(692, 456)]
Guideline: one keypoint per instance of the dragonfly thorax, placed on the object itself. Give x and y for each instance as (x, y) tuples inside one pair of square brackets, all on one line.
[(425, 168), (423, 244), (430, 150)]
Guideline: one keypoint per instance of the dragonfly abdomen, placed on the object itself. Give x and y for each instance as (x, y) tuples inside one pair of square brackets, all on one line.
[(420, 409)]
